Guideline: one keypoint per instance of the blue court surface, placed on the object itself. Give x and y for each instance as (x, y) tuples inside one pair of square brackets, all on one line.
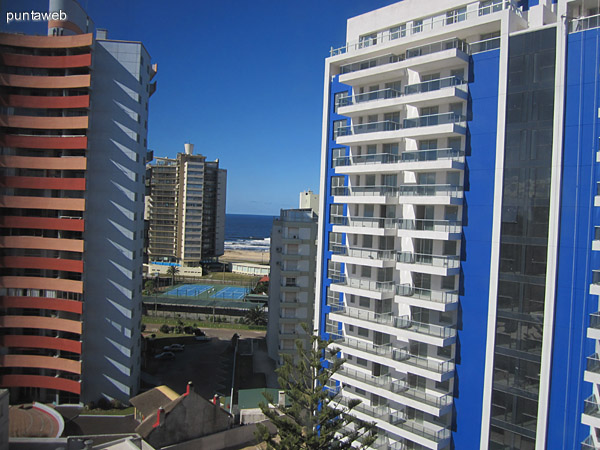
[(189, 290), (231, 292)]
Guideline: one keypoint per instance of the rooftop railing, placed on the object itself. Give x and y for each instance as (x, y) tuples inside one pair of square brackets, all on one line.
[(438, 21)]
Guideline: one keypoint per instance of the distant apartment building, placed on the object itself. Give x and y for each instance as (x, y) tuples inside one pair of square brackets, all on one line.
[(459, 262), (309, 200), (185, 209), (292, 280), (74, 122)]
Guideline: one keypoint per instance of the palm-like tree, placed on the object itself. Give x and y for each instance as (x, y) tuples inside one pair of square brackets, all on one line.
[(172, 271), (256, 316)]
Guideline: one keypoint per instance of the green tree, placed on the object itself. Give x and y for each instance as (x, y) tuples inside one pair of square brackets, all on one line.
[(172, 271), (256, 316), (149, 287), (313, 417)]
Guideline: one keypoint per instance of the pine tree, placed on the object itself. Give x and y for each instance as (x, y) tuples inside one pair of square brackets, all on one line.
[(313, 417)]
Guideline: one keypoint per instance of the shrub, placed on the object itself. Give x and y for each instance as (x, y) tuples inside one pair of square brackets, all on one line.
[(103, 403), (164, 328), (143, 327), (116, 404)]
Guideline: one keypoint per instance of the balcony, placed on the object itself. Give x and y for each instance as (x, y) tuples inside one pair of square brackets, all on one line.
[(412, 160), (368, 348), (364, 256), (443, 265), (429, 229), (381, 94), (433, 85), (381, 412), (593, 331), (584, 23), (430, 194), (592, 370), (443, 369), (473, 12), (364, 191), (591, 412), (588, 444), (371, 127), (437, 437), (403, 389), (433, 119), (364, 222), (428, 298), (363, 286)]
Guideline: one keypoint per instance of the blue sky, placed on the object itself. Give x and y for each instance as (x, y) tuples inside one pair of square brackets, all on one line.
[(242, 80)]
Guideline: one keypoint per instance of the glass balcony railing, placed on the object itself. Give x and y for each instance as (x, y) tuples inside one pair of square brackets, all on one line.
[(366, 284), (382, 381), (436, 47), (407, 156), (401, 387), (593, 363), (403, 355), (447, 226), (381, 94), (367, 316), (433, 155), (433, 119), (364, 191), (381, 412), (431, 295), (428, 433), (436, 22), (588, 444), (430, 190), (440, 331), (445, 261), (368, 253), (591, 407), (595, 320), (433, 85), (371, 127), (368, 347)]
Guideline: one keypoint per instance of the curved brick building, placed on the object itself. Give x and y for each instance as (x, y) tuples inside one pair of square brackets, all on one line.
[(69, 322)]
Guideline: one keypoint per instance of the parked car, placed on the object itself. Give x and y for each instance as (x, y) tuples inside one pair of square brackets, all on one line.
[(165, 356), (174, 348)]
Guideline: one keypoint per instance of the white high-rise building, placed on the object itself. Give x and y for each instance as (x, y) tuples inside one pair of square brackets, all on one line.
[(458, 226)]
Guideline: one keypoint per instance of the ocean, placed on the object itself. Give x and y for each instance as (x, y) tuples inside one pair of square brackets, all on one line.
[(248, 232)]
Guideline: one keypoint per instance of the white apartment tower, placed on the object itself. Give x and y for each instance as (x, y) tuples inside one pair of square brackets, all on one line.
[(458, 223)]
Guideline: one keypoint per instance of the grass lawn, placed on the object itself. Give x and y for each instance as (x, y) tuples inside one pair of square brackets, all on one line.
[(199, 323), (107, 412), (230, 276)]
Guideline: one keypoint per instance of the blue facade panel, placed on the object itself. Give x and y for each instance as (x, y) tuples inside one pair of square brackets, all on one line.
[(335, 88), (575, 257), (478, 212)]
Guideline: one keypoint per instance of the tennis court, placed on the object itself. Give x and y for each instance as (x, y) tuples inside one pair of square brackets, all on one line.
[(231, 292), (189, 290)]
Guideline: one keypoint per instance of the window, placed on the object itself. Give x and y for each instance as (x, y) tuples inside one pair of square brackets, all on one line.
[(334, 270), (338, 157), (335, 242), (417, 26), (336, 214), (363, 332), (489, 6), (398, 32), (340, 128), (456, 15), (338, 100), (368, 40), (361, 361), (364, 302), (337, 186)]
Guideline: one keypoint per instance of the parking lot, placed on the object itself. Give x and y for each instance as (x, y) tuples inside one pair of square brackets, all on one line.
[(206, 364)]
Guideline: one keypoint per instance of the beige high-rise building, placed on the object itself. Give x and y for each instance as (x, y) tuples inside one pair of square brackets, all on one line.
[(185, 209)]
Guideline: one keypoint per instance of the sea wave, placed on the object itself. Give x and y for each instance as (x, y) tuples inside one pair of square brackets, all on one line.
[(256, 245)]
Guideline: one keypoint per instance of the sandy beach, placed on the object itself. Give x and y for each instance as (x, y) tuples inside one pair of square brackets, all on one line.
[(245, 256)]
